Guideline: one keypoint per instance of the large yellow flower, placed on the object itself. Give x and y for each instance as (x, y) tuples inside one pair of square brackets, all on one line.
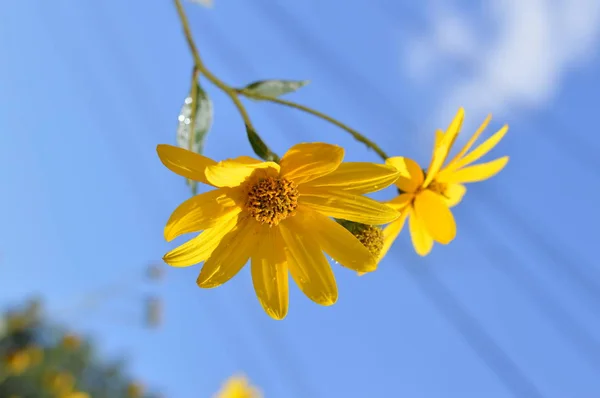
[(277, 215), (238, 387), (426, 198)]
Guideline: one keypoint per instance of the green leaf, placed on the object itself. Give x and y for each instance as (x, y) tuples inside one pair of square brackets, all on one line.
[(273, 88), (203, 123)]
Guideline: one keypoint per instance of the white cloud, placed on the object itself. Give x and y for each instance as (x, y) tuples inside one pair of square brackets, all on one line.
[(529, 47)]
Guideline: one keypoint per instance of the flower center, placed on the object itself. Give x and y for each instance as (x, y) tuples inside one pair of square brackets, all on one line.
[(371, 237), (438, 187), (272, 200)]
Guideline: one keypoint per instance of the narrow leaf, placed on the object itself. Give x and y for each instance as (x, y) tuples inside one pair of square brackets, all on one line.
[(273, 88), (203, 122)]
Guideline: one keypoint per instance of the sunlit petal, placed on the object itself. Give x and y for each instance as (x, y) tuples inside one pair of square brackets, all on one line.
[(308, 161), (478, 172), (471, 141), (391, 232), (347, 206), (308, 265), (337, 241), (441, 152), (454, 193), (436, 217), (358, 177), (401, 201), (200, 212), (183, 162), (231, 255), (230, 173), (422, 241), (411, 175), (270, 273), (481, 150), (199, 248)]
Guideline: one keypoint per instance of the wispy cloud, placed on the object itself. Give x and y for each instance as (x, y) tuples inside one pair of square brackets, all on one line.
[(516, 51)]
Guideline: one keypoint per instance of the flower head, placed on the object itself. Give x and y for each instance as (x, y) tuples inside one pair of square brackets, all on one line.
[(238, 387), (426, 197), (279, 217)]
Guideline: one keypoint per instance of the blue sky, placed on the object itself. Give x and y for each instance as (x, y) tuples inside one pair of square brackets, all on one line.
[(509, 309)]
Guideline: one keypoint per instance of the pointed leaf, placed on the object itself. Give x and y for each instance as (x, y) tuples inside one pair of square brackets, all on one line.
[(273, 88), (203, 123)]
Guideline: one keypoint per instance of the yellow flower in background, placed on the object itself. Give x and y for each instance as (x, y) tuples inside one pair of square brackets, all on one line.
[(60, 383), (238, 387), (76, 394), (71, 341), (278, 216), (17, 362), (426, 198), (135, 390)]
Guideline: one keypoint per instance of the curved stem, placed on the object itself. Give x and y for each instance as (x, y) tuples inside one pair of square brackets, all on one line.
[(200, 68), (355, 134)]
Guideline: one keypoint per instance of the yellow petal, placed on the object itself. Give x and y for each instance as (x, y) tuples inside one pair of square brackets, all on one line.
[(199, 248), (391, 232), (478, 172), (347, 206), (270, 273), (441, 152), (439, 135), (231, 173), (401, 201), (431, 210), (200, 212), (454, 193), (308, 161), (231, 255), (309, 267), (183, 162), (358, 177), (337, 241), (411, 175), (471, 141), (481, 150), (421, 239)]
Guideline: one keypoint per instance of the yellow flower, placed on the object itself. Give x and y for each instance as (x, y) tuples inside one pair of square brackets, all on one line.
[(135, 390), (60, 383), (76, 394), (17, 362), (277, 215), (36, 354), (426, 198), (238, 387), (71, 341)]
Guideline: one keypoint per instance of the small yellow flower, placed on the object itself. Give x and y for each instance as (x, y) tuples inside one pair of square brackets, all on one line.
[(17, 362), (238, 387), (135, 390), (71, 341), (277, 215), (76, 394), (426, 198), (60, 383)]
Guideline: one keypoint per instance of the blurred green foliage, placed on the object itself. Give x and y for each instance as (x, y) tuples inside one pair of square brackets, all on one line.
[(41, 359)]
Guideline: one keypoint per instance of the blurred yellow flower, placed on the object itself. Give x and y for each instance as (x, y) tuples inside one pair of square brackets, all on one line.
[(238, 387), (17, 362), (426, 198), (59, 383), (76, 394), (277, 215), (71, 341), (135, 390)]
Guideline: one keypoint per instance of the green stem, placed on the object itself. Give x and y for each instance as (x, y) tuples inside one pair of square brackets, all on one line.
[(199, 67), (355, 134)]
